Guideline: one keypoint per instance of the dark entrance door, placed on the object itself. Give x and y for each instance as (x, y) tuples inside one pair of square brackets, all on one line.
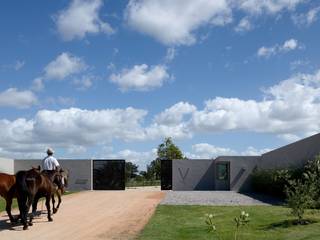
[(222, 181), (166, 175), (108, 174)]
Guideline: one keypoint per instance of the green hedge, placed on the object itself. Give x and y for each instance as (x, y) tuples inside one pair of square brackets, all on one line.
[(273, 182)]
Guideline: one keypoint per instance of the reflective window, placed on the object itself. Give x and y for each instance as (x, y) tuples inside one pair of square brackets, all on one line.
[(222, 171)]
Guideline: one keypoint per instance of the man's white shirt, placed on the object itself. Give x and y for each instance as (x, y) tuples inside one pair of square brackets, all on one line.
[(50, 163)]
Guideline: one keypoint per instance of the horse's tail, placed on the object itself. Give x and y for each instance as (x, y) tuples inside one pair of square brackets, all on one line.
[(21, 182)]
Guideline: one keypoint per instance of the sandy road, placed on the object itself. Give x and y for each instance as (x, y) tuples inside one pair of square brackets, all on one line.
[(90, 215)]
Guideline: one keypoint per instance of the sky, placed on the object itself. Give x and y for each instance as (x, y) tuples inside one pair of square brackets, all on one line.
[(113, 78)]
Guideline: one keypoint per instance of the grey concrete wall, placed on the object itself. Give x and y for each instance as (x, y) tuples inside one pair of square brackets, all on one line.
[(80, 171), (241, 168), (190, 175), (7, 165), (293, 155)]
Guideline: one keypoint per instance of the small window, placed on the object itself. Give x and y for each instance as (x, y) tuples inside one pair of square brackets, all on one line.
[(222, 171)]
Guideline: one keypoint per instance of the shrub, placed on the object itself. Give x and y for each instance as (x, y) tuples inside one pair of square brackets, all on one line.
[(273, 182), (299, 198)]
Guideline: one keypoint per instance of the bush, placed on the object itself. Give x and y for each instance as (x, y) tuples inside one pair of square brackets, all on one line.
[(299, 198), (273, 182)]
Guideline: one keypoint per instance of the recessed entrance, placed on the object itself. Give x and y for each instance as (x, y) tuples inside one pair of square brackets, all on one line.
[(222, 181)]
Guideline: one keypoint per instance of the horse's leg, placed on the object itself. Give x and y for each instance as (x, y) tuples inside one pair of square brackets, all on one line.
[(22, 208), (59, 199), (34, 207), (8, 209), (54, 210), (48, 207), (29, 204)]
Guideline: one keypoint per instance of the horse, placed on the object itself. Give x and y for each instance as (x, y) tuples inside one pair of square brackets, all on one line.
[(60, 191), (8, 192), (31, 186)]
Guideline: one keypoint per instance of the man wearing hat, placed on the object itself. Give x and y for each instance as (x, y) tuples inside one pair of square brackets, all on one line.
[(50, 163)]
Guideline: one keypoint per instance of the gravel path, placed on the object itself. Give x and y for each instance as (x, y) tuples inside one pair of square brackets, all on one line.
[(218, 198), (90, 215)]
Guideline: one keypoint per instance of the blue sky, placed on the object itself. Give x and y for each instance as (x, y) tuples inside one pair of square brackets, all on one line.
[(111, 79)]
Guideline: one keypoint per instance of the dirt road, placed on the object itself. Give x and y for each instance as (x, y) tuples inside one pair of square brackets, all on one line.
[(90, 215)]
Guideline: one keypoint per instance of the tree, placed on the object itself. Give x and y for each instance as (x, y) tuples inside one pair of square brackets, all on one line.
[(131, 170), (169, 151), (166, 151)]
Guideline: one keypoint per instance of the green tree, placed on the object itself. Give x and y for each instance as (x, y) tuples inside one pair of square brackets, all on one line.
[(166, 151), (131, 171), (169, 151)]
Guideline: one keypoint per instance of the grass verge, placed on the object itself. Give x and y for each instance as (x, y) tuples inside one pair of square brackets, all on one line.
[(266, 223)]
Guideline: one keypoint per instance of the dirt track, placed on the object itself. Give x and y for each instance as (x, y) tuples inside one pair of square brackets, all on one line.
[(90, 215)]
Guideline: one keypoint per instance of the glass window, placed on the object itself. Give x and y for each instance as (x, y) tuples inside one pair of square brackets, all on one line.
[(222, 171)]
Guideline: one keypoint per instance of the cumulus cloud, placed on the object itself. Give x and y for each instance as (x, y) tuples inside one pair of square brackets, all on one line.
[(177, 22), (18, 99), (289, 109), (140, 158), (84, 82), (287, 46), (306, 19), (141, 77), (175, 114), (80, 18), (258, 7), (174, 22), (244, 25), (63, 66)]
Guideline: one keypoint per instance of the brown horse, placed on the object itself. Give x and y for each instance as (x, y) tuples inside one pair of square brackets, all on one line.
[(8, 191), (31, 186)]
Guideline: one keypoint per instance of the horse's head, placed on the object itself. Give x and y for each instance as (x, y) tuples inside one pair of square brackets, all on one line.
[(65, 176), (58, 179)]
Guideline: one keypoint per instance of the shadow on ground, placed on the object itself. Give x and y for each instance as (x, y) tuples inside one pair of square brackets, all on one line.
[(267, 199), (288, 224)]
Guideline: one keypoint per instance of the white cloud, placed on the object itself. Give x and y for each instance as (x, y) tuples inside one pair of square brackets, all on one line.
[(175, 114), (141, 77), (81, 18), (170, 55), (244, 25), (205, 150), (289, 110), (292, 106), (37, 84), (84, 82), (139, 158), (306, 19), (18, 99), (63, 66), (287, 46), (19, 64), (174, 22), (177, 22), (258, 7)]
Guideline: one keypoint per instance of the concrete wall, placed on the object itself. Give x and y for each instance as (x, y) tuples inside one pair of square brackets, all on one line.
[(190, 175), (7, 165), (80, 171), (241, 168), (293, 155)]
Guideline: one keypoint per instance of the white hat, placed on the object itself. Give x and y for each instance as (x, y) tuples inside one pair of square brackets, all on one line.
[(50, 151)]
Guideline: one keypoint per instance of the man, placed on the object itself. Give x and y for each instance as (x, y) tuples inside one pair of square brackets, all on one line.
[(50, 163)]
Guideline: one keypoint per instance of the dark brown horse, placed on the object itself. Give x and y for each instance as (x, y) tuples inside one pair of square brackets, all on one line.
[(31, 186), (8, 191)]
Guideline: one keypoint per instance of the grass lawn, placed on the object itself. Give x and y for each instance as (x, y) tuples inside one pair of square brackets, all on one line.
[(266, 222)]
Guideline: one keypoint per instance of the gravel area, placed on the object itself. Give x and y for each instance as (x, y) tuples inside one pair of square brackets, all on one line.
[(217, 198)]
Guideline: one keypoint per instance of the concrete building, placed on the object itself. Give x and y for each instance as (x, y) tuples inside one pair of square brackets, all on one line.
[(83, 173), (234, 172)]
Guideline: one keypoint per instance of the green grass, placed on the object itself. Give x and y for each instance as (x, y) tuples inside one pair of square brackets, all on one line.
[(267, 222), (143, 183)]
